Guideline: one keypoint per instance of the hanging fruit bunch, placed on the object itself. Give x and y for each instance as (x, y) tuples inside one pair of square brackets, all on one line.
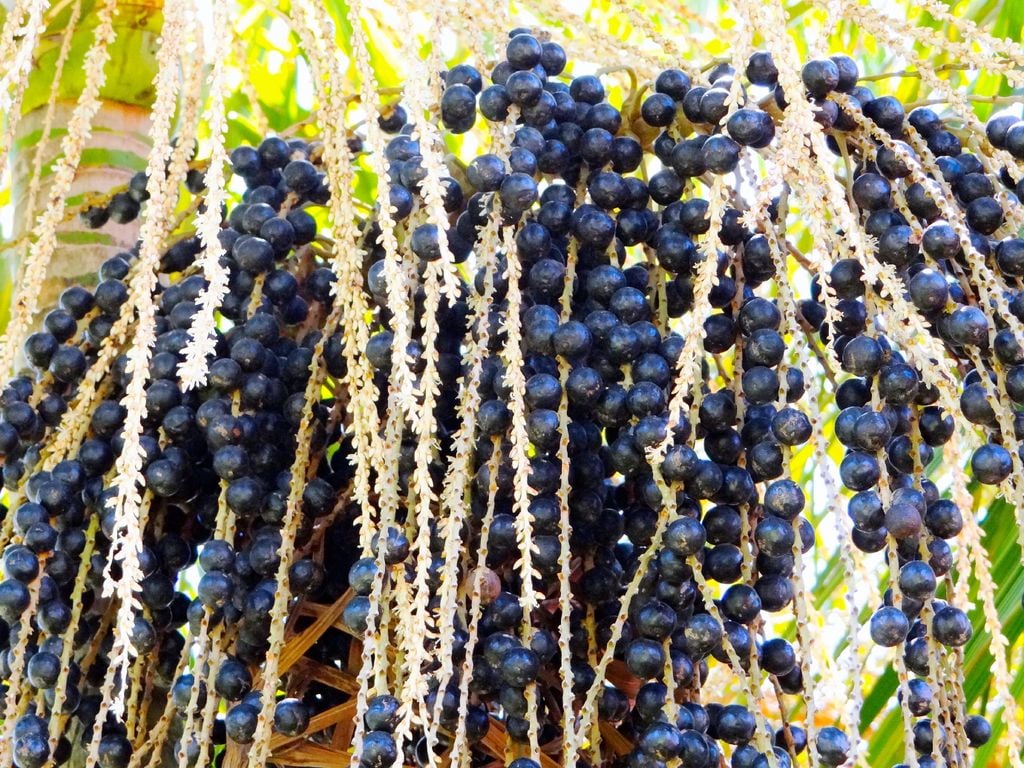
[(510, 469)]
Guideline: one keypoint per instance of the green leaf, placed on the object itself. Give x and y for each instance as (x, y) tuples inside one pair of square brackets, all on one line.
[(1010, 20), (131, 71)]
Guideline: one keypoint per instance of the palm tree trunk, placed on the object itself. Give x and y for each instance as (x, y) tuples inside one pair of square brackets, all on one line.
[(117, 148)]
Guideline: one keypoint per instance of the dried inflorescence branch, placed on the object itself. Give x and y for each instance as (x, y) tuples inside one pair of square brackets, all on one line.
[(299, 475), (33, 271), (565, 529), (799, 175), (456, 494), (514, 364), (802, 609), (400, 398), (904, 322), (61, 688), (314, 26), (980, 566), (892, 558), (978, 49), (166, 166), (588, 706), (479, 576), (672, 48), (440, 282), (374, 655), (42, 148), (202, 333), (13, 21), (364, 422), (688, 367), (14, 80)]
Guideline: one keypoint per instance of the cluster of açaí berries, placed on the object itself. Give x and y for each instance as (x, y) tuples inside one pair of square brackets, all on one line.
[(611, 234)]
